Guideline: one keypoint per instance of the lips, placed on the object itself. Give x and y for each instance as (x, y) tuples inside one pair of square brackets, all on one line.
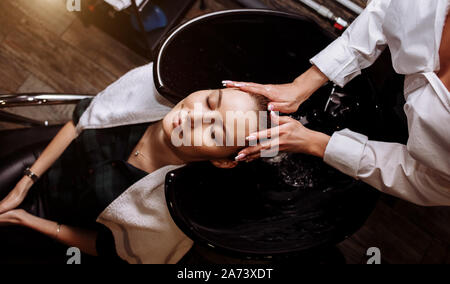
[(176, 120)]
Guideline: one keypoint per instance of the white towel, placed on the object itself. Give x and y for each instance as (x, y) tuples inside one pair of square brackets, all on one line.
[(120, 5), (144, 232), (132, 99)]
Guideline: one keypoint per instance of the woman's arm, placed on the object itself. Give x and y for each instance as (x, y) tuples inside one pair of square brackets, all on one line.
[(358, 47), (85, 240), (51, 153), (54, 150), (389, 167), (286, 98)]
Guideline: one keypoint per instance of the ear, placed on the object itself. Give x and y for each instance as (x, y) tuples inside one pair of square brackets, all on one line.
[(225, 164)]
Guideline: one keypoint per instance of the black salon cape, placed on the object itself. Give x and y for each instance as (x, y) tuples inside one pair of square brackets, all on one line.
[(90, 174)]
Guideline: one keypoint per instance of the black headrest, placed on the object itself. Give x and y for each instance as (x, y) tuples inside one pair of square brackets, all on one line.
[(247, 45)]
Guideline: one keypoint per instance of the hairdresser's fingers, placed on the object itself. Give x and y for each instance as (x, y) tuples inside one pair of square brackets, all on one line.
[(271, 133), (236, 84), (263, 135), (267, 154), (285, 107), (264, 90), (248, 152), (281, 123), (275, 118), (252, 150), (280, 120)]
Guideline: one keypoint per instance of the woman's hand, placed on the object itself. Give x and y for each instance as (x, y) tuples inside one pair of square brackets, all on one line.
[(16, 196), (288, 97), (290, 135), (13, 217)]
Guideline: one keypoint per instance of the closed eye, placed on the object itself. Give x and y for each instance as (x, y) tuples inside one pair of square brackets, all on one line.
[(216, 101), (208, 103)]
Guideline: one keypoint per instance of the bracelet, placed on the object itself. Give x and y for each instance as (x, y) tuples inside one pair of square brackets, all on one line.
[(34, 177), (58, 229)]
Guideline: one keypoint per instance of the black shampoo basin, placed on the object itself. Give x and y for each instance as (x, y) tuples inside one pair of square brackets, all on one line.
[(290, 204)]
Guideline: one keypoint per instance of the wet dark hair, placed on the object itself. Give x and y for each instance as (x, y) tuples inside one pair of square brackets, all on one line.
[(262, 105), (261, 101)]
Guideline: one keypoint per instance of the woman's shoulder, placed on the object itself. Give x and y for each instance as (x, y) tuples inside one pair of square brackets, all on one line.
[(80, 108)]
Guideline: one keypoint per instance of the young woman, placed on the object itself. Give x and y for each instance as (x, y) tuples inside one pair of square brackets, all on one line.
[(101, 185)]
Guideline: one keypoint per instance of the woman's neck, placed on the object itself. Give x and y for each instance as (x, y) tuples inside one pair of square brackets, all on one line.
[(159, 150)]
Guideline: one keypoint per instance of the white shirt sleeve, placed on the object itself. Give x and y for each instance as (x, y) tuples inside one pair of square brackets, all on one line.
[(419, 171), (389, 167), (358, 47)]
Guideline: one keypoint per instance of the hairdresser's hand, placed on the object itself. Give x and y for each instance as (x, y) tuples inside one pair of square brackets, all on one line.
[(290, 135), (16, 196), (13, 217), (288, 97)]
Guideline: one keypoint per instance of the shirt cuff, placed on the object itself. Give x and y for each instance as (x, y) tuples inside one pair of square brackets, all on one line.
[(345, 151), (337, 62)]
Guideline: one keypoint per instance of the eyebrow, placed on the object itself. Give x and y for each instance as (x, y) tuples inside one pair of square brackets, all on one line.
[(218, 106)]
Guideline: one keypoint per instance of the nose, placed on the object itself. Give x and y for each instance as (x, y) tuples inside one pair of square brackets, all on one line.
[(194, 117), (198, 118)]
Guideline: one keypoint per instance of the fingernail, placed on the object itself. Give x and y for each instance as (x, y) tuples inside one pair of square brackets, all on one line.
[(251, 138), (226, 82), (271, 108), (240, 157)]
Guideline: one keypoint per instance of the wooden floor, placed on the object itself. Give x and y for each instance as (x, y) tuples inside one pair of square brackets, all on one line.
[(44, 48)]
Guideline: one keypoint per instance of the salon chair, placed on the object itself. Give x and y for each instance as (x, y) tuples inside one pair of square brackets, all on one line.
[(292, 209)]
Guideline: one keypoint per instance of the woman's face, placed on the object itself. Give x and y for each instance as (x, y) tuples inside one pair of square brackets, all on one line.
[(212, 124)]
